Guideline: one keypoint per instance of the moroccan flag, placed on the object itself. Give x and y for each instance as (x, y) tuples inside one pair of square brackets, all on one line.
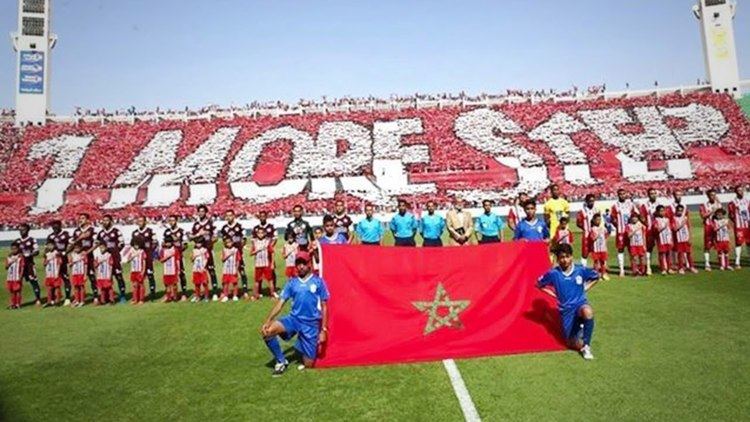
[(395, 304)]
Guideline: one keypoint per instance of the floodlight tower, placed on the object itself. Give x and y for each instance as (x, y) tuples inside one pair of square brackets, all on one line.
[(32, 44), (719, 53)]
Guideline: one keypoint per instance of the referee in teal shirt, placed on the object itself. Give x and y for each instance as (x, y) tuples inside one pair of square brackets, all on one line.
[(404, 226), (431, 227), (369, 229), (489, 224)]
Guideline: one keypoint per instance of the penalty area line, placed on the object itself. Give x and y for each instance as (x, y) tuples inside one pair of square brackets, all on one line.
[(462, 394)]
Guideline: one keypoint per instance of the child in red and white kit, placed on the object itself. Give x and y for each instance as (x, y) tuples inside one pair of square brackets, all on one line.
[(720, 226), (262, 249), (52, 273), (230, 256), (170, 257), (290, 255), (681, 227), (662, 228), (78, 263), (635, 233), (598, 245), (137, 258), (200, 273), (14, 274), (103, 265), (563, 234)]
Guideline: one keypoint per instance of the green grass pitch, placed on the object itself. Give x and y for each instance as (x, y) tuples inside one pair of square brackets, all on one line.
[(667, 348)]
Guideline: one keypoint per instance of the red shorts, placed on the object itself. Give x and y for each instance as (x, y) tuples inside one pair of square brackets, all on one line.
[(599, 256), (170, 279), (291, 271), (683, 247), (13, 286), (229, 279), (53, 282), (136, 278), (722, 246), (708, 238), (637, 250), (664, 248), (263, 273), (104, 283), (78, 279), (621, 241), (742, 237), (200, 278)]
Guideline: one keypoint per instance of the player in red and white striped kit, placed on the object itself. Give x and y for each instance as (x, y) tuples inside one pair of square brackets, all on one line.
[(720, 230), (137, 258), (262, 249), (662, 228), (78, 261), (170, 258), (103, 264), (707, 211), (739, 213), (636, 233), (230, 256), (681, 227), (14, 264), (598, 245), (646, 212), (622, 209), (670, 211), (52, 273)]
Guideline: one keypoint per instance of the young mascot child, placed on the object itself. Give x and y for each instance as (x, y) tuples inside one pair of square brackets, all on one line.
[(78, 263), (230, 256), (720, 228), (568, 284), (635, 233), (14, 275), (137, 258), (663, 232), (598, 241), (262, 249), (681, 227), (290, 255), (200, 272), (563, 234), (52, 273), (170, 257), (103, 267)]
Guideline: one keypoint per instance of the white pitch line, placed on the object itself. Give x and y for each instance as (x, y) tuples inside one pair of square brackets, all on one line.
[(464, 399)]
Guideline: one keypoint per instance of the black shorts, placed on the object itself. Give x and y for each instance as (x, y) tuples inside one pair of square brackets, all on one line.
[(432, 243), (404, 241), (489, 239)]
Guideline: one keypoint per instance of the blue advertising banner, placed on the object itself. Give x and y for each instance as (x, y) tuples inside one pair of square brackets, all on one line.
[(31, 73)]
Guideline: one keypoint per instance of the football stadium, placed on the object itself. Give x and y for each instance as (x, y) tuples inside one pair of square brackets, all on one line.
[(525, 254)]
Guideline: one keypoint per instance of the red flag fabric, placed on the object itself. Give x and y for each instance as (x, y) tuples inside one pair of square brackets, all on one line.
[(393, 304)]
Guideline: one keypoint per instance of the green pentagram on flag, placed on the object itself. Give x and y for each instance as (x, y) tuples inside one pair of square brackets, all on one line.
[(441, 300)]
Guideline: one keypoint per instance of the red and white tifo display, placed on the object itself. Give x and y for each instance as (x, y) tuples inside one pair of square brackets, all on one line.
[(152, 168)]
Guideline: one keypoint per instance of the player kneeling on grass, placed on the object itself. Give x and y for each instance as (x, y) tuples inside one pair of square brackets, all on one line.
[(568, 284), (14, 274), (308, 318)]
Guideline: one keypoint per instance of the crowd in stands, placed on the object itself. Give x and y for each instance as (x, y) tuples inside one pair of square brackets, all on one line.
[(433, 152)]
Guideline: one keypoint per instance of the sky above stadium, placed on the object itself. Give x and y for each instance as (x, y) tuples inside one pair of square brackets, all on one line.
[(176, 53)]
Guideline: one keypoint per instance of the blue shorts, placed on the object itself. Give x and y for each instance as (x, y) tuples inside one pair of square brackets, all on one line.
[(571, 322), (307, 335)]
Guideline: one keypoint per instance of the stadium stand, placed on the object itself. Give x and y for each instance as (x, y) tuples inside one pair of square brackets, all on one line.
[(156, 167)]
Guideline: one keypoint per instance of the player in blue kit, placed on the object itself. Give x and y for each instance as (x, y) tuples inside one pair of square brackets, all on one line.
[(531, 228), (568, 284), (308, 319)]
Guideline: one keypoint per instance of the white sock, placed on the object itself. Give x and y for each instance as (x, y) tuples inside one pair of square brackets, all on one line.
[(707, 259), (737, 253), (583, 262), (621, 260), (648, 258)]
